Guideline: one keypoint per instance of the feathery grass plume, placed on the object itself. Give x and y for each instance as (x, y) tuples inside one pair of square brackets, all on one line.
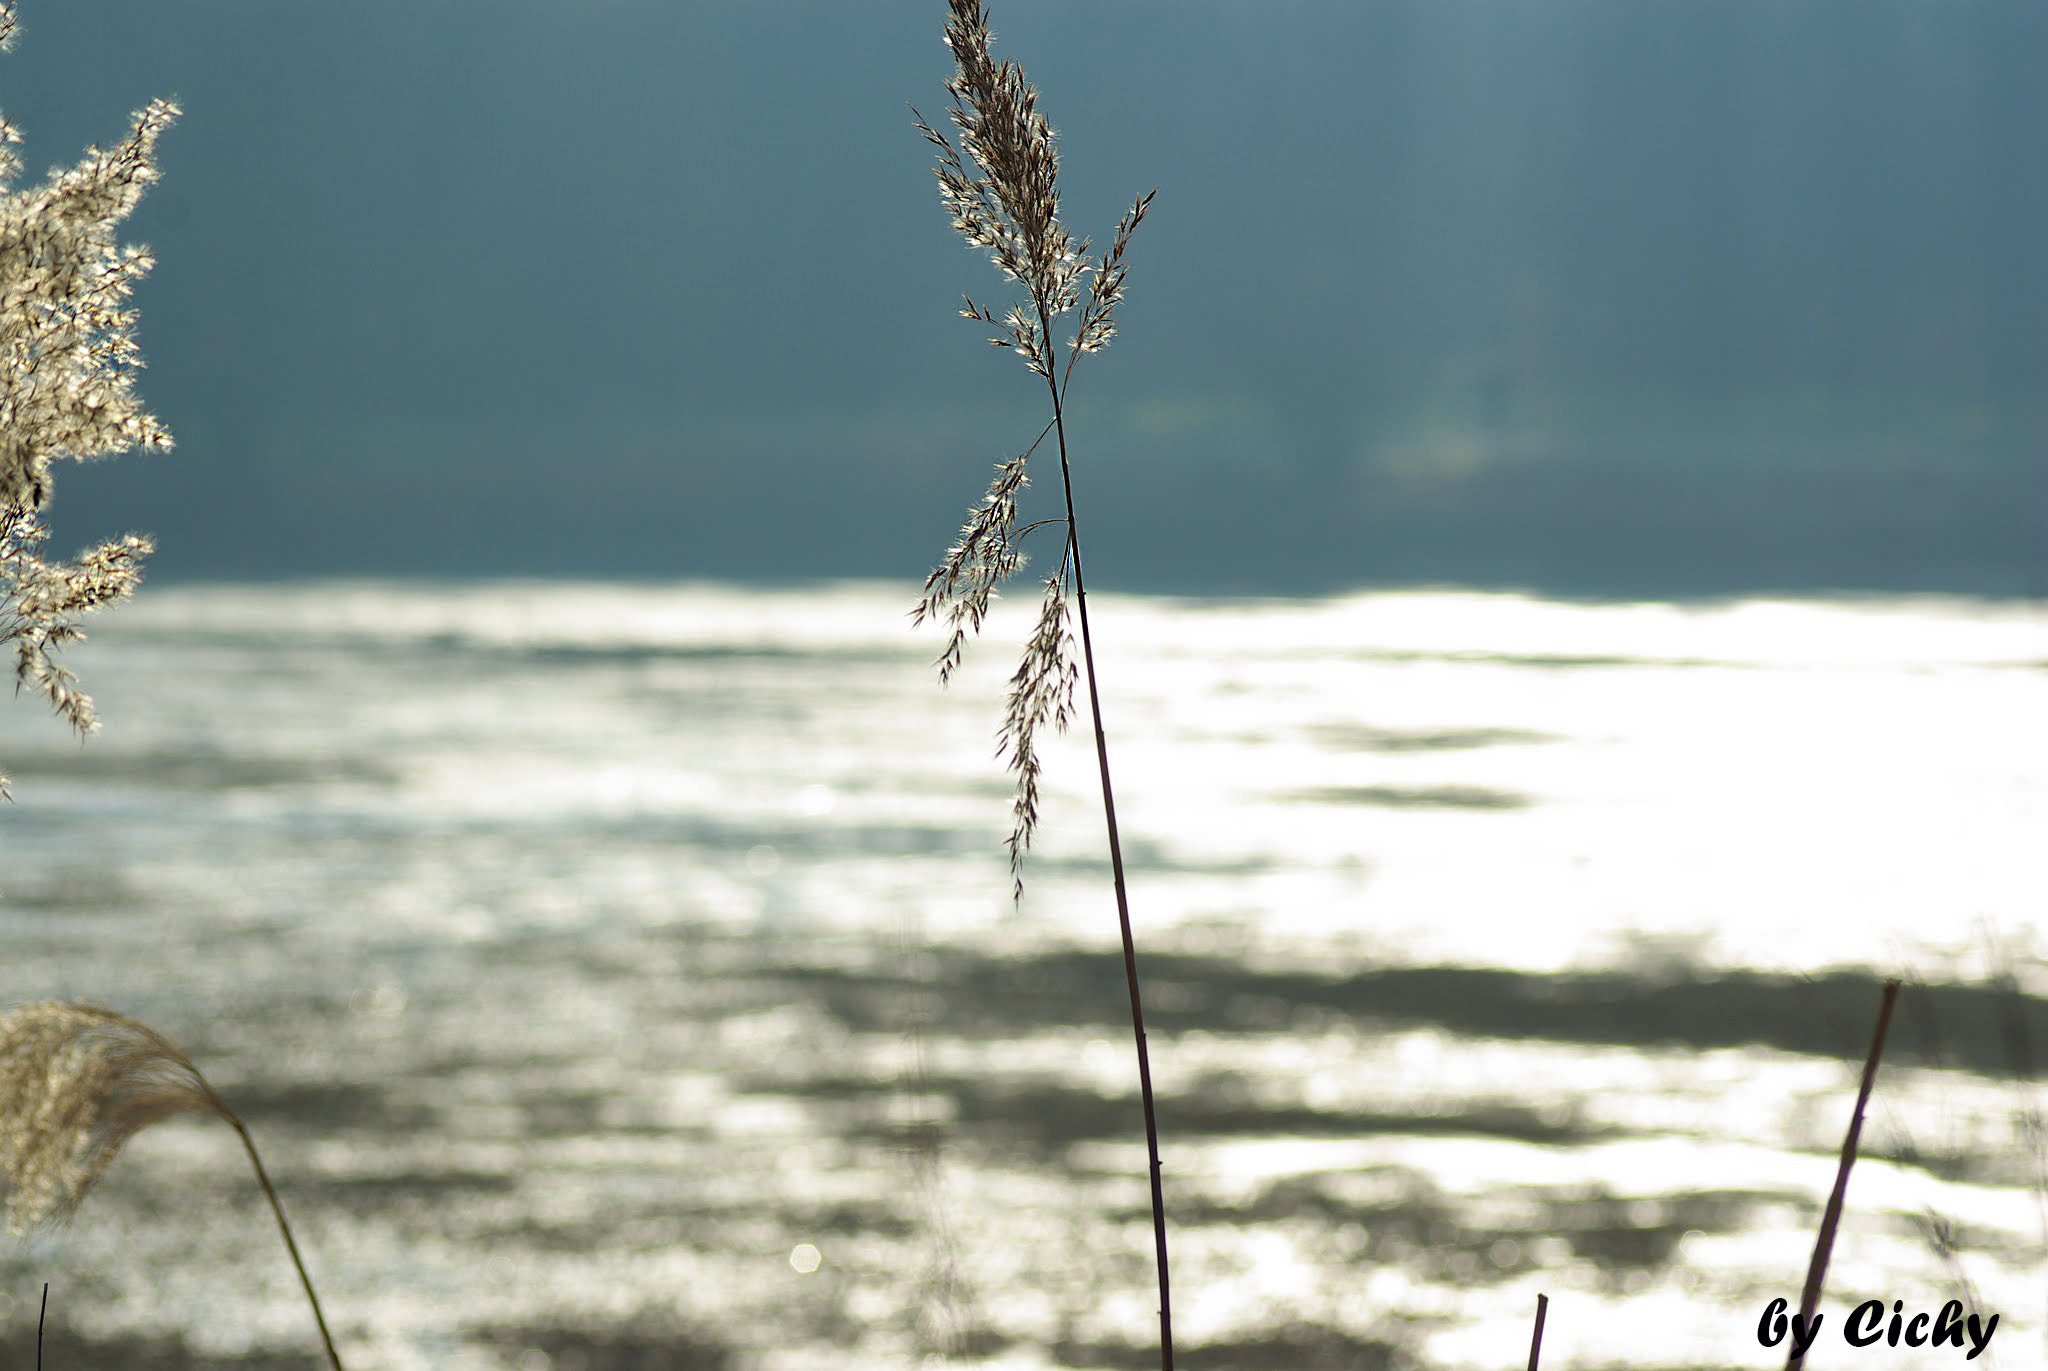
[(1009, 206), (76, 1082), (1000, 187), (67, 370)]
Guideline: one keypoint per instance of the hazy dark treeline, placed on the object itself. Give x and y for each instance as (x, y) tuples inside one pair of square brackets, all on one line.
[(1588, 295)]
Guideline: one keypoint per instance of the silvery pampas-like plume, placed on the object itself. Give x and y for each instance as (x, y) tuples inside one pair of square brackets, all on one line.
[(76, 1082), (67, 367)]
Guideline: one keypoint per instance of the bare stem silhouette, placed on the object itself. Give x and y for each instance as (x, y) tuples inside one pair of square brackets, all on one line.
[(1831, 1217), (290, 1243), (1123, 899)]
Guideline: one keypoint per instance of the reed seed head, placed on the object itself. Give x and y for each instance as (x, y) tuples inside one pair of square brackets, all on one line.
[(67, 370), (1001, 188)]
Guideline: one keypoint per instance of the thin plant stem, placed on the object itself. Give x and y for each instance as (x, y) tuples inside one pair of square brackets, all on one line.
[(291, 1245), (1831, 1217), (1536, 1338), (41, 1314), (1116, 867)]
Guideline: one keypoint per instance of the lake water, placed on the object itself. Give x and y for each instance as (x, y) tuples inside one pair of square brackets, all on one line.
[(587, 958)]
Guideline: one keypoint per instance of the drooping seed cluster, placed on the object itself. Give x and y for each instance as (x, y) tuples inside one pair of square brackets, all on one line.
[(67, 364)]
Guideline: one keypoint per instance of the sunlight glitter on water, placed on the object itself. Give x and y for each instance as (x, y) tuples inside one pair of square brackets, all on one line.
[(588, 950), (1430, 766)]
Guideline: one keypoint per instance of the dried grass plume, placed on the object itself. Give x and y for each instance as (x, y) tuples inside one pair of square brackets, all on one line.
[(1000, 187), (76, 1083)]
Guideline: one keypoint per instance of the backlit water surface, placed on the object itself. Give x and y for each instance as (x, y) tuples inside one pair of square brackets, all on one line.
[(588, 958)]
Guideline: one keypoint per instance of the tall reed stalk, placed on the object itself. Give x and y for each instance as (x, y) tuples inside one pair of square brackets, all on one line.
[(1831, 1213), (1003, 198)]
